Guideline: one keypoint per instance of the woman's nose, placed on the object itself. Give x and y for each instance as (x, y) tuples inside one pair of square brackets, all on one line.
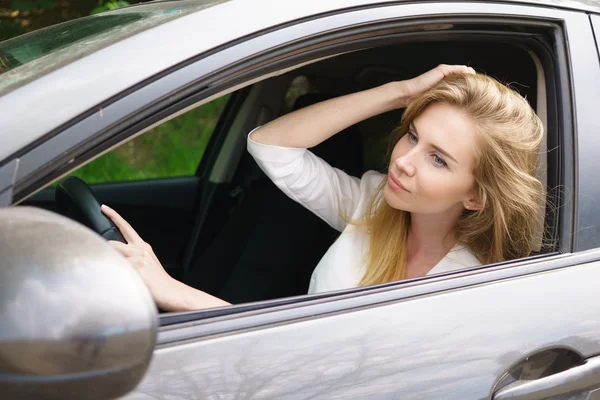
[(405, 164)]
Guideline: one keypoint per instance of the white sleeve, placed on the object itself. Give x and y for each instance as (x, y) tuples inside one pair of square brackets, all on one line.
[(328, 192)]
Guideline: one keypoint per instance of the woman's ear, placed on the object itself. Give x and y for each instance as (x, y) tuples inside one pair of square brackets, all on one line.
[(475, 202), (472, 205)]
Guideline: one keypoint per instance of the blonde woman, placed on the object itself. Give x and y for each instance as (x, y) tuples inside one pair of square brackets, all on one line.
[(460, 189)]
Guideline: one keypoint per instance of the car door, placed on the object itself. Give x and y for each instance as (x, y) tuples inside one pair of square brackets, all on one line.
[(451, 339), (521, 329), (460, 335)]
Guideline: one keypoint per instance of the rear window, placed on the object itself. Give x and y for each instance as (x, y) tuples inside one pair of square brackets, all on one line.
[(29, 56)]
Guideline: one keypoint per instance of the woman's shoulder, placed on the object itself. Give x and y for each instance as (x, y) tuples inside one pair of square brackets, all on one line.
[(371, 180), (370, 183)]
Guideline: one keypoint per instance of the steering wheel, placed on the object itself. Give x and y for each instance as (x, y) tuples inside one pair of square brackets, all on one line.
[(76, 200)]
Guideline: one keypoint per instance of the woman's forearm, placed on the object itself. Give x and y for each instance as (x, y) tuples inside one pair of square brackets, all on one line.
[(312, 125), (186, 298)]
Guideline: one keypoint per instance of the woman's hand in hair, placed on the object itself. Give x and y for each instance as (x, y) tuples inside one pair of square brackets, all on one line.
[(416, 86), (168, 293)]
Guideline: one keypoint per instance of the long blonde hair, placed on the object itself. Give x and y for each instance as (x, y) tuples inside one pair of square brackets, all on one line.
[(508, 136)]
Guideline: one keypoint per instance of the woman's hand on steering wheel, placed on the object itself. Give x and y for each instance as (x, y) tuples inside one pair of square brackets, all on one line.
[(141, 256)]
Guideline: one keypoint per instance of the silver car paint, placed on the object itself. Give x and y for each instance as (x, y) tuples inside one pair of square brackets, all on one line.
[(89, 81)]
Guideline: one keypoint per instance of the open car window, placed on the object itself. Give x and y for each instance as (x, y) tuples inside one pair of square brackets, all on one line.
[(254, 255)]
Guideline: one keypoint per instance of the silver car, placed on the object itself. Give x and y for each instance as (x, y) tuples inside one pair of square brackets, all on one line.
[(76, 322)]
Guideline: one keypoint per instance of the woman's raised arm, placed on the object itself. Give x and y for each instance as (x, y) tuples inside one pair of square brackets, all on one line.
[(312, 125)]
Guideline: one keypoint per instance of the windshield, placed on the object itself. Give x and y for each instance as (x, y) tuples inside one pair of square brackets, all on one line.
[(32, 55)]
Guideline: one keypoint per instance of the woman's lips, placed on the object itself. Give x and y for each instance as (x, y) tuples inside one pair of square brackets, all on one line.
[(396, 185)]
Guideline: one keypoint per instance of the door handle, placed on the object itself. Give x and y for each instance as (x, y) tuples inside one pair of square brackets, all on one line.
[(576, 379)]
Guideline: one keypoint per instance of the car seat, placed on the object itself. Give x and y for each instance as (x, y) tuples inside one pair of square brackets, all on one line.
[(271, 244)]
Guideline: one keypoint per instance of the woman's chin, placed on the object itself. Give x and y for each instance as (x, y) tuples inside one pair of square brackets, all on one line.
[(392, 200)]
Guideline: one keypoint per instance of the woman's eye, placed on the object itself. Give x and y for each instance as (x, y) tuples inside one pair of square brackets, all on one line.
[(439, 161), (412, 137)]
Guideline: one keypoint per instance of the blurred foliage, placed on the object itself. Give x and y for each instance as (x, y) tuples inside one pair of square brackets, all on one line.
[(108, 5), (22, 16), (174, 148), (28, 5)]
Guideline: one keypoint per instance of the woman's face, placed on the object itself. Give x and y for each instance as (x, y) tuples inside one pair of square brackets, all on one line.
[(430, 171)]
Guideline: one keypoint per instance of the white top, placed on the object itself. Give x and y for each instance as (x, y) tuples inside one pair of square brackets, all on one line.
[(331, 193)]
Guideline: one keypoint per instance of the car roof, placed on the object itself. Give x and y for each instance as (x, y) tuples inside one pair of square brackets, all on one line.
[(44, 104)]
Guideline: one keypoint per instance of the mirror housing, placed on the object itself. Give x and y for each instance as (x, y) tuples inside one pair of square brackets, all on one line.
[(76, 320)]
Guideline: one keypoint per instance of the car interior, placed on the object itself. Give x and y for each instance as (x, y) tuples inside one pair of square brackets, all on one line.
[(231, 232)]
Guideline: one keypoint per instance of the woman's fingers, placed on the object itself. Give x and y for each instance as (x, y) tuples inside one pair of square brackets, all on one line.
[(126, 249), (416, 86), (448, 70), (136, 255), (127, 230), (138, 262), (455, 69)]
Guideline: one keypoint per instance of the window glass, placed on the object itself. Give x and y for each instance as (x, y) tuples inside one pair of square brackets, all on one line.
[(29, 56), (172, 149)]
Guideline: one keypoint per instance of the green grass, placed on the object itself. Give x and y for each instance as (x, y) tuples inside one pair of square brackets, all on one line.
[(172, 149)]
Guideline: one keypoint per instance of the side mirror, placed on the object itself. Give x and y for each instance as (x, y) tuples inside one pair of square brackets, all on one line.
[(76, 321)]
